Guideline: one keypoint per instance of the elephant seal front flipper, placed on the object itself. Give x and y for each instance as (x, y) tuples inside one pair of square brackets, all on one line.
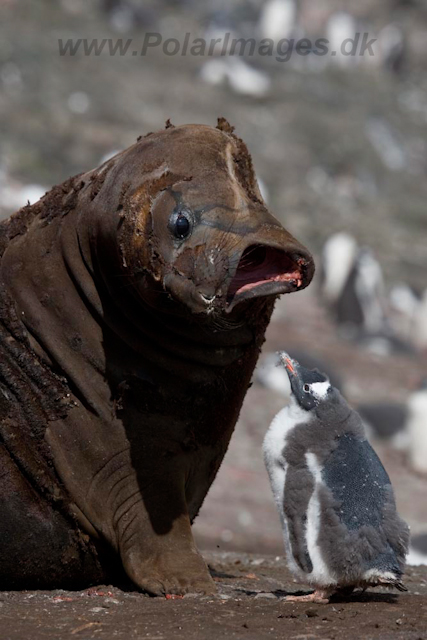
[(144, 289)]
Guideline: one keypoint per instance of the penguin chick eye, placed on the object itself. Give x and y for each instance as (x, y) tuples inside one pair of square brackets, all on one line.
[(306, 388), (180, 225)]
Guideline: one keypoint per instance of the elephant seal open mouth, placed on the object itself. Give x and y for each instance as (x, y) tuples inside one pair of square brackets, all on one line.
[(135, 299)]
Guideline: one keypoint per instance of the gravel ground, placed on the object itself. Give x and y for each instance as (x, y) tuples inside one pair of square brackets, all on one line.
[(249, 604)]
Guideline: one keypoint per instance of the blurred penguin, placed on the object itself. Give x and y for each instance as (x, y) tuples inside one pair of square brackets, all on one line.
[(126, 15), (392, 48), (341, 27), (353, 286), (403, 426), (417, 429), (277, 19), (338, 256), (369, 286), (417, 550), (240, 76), (404, 306), (420, 324), (387, 422)]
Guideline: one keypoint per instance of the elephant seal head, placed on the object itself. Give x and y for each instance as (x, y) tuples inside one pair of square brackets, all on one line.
[(190, 230)]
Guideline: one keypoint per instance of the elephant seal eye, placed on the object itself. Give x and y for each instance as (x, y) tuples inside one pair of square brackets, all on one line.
[(182, 227), (180, 224)]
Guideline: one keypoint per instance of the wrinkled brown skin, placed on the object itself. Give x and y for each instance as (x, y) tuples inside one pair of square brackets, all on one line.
[(120, 384)]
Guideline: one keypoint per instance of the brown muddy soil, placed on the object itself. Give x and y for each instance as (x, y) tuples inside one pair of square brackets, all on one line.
[(249, 604)]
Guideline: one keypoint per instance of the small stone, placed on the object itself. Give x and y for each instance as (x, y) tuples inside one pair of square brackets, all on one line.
[(97, 610), (110, 601), (257, 561), (311, 613), (265, 596), (224, 596)]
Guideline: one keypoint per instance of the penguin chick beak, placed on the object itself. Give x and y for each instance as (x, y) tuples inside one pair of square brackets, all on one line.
[(288, 363)]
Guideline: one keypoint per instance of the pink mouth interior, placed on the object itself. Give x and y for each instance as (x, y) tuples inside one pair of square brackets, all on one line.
[(259, 265)]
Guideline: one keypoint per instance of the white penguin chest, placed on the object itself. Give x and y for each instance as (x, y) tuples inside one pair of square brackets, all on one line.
[(273, 447), (277, 467)]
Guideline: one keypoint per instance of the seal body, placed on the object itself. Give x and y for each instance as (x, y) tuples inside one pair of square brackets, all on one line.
[(335, 499), (134, 303)]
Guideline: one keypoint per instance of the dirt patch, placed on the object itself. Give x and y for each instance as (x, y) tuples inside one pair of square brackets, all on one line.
[(249, 605)]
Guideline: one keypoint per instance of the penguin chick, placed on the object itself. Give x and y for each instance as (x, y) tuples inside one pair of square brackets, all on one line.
[(335, 500)]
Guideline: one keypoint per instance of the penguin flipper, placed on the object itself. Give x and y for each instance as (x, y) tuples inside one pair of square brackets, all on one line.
[(299, 487)]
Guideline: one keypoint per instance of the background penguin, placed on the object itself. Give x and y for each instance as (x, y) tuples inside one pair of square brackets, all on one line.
[(420, 324), (338, 256), (352, 285), (404, 303), (386, 421), (360, 307), (417, 429), (336, 503), (417, 550), (403, 426), (277, 19)]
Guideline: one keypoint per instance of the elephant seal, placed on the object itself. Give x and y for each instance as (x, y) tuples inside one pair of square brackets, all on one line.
[(134, 301)]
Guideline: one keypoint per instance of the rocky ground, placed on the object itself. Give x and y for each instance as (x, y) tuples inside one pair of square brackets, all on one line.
[(249, 605)]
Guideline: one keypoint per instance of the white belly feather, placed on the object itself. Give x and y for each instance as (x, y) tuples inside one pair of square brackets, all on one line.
[(274, 444)]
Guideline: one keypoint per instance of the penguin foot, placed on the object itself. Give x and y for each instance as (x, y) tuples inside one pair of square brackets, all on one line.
[(320, 596)]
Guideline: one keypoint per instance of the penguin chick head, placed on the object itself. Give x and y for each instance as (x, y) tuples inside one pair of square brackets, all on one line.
[(309, 387)]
